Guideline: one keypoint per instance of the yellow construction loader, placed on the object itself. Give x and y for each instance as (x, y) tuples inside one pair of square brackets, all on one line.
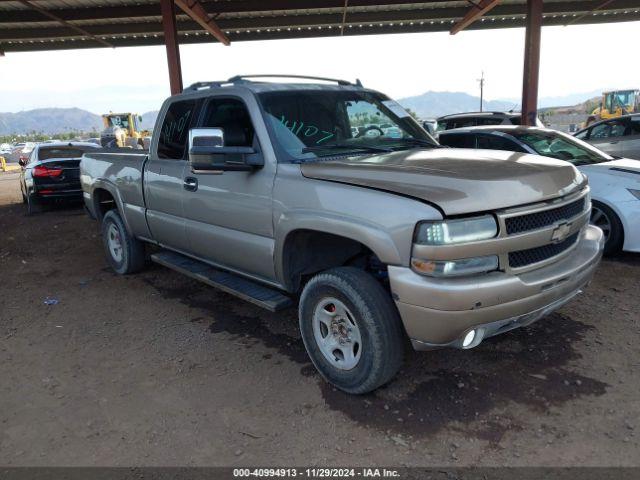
[(615, 104), (123, 130)]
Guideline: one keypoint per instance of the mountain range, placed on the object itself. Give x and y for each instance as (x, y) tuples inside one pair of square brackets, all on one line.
[(58, 120), (435, 104), (428, 105)]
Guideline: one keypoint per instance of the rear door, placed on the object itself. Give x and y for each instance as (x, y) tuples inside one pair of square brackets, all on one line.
[(164, 175), (229, 214)]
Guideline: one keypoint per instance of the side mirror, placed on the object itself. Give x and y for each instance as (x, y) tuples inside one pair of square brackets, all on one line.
[(207, 152)]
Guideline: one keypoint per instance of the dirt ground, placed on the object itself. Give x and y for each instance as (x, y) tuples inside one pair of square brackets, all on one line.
[(156, 369)]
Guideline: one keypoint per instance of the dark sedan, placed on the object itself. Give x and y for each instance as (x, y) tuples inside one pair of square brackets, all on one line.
[(52, 173)]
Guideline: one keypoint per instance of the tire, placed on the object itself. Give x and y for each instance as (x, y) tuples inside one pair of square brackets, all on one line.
[(33, 205), (604, 217), (371, 322), (125, 253)]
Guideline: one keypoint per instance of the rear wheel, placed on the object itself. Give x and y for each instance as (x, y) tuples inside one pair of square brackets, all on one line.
[(125, 253), (34, 205), (351, 329), (606, 219)]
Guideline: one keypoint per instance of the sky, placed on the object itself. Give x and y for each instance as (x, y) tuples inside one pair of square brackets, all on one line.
[(574, 59)]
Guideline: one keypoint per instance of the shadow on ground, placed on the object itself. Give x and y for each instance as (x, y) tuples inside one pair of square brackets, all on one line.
[(529, 366)]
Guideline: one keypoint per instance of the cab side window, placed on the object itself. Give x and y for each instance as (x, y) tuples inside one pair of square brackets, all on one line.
[(232, 116), (175, 130)]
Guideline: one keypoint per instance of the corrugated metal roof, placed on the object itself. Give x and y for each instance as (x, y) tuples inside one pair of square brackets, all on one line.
[(138, 22)]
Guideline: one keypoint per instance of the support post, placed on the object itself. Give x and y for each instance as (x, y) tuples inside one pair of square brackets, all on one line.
[(171, 43), (531, 69)]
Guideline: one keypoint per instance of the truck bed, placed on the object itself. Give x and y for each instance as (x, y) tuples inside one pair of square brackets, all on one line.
[(119, 172)]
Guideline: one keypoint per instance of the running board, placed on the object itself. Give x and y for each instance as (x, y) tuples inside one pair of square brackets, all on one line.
[(248, 290)]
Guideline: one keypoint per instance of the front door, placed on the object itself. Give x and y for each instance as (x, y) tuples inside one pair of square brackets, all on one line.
[(164, 177), (229, 214)]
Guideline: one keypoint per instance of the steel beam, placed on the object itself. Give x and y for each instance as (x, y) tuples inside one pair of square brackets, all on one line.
[(61, 21), (148, 11), (531, 69), (196, 11), (151, 34), (478, 10), (580, 17), (167, 8)]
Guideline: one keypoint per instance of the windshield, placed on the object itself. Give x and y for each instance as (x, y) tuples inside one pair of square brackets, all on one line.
[(121, 121), (561, 146), (307, 125)]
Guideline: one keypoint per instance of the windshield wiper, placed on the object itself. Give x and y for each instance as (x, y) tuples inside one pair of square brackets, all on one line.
[(346, 146), (421, 142)]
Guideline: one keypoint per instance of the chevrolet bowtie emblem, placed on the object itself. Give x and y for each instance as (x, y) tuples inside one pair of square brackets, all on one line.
[(561, 232)]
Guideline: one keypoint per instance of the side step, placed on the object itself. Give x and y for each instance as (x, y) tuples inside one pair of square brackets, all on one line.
[(248, 290)]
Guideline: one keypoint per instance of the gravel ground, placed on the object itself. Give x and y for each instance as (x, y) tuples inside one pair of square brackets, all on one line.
[(156, 369)]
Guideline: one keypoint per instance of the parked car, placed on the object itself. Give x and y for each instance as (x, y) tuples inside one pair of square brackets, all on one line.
[(51, 173), (5, 150), (260, 189), (618, 136), (473, 119), (615, 183), (21, 151)]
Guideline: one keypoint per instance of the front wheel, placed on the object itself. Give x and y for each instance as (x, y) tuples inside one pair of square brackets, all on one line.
[(351, 329), (606, 219), (125, 253)]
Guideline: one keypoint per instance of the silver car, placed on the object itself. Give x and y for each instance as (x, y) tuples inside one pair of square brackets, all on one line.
[(617, 136)]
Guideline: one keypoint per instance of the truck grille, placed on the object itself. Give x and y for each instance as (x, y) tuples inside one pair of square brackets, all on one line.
[(534, 221), (522, 258)]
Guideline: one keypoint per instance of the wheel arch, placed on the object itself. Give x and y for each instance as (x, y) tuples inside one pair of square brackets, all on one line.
[(332, 241), (105, 197)]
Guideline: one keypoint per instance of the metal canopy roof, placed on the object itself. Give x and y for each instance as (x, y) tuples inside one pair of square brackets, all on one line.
[(28, 25)]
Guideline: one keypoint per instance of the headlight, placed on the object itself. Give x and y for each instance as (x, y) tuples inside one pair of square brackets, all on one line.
[(635, 193), (461, 230), (454, 268)]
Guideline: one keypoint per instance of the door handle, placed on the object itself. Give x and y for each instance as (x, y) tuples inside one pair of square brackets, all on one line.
[(190, 184)]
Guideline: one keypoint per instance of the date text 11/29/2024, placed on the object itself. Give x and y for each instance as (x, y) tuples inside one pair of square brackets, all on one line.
[(316, 472)]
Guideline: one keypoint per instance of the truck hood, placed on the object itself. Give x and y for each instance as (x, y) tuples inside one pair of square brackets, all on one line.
[(458, 181)]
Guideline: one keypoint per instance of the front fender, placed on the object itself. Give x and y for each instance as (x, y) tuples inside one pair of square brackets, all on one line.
[(370, 235)]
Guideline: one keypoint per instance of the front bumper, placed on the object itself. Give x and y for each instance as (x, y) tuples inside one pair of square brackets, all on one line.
[(439, 312)]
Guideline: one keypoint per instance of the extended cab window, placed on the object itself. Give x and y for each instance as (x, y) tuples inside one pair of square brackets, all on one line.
[(232, 116), (175, 129)]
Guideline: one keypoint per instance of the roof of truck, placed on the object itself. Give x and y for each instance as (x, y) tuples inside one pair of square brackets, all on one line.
[(258, 84)]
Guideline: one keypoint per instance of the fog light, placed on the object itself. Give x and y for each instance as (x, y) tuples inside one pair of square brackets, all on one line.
[(468, 338)]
